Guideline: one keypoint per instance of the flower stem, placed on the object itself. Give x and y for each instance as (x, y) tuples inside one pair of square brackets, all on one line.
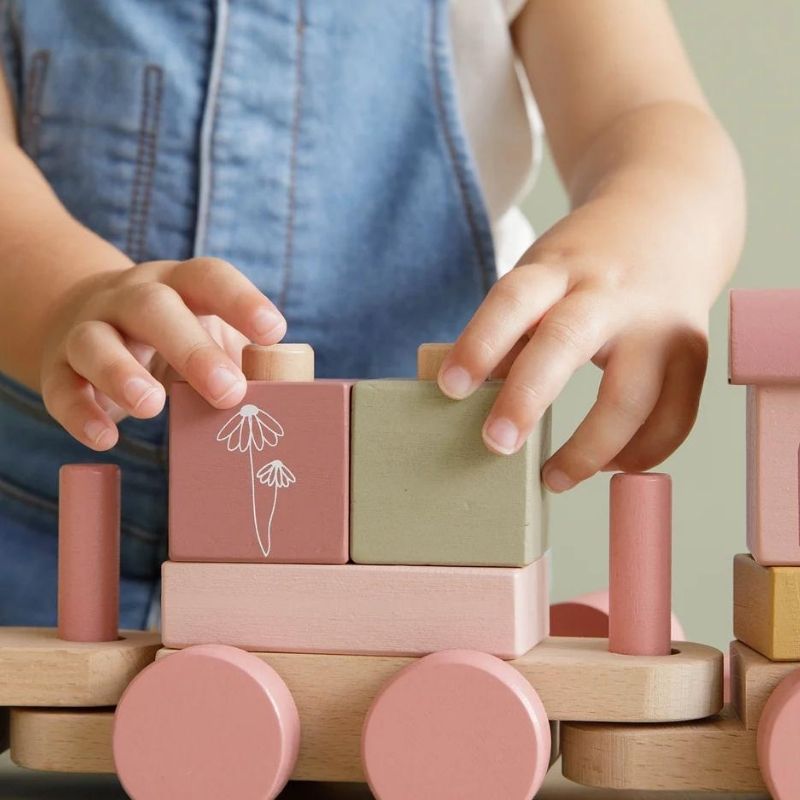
[(253, 497), (271, 515)]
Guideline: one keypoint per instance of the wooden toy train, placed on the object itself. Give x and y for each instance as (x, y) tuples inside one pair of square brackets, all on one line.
[(357, 590)]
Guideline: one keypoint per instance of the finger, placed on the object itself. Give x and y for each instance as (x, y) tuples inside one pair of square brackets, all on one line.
[(566, 338), (97, 352), (675, 412), (69, 399), (213, 286), (513, 306), (629, 390), (155, 314)]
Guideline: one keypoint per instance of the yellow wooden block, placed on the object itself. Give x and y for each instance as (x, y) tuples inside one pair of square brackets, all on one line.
[(39, 669), (753, 678), (766, 608)]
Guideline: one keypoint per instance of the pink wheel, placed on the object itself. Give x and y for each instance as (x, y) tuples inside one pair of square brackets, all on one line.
[(456, 725), (587, 615), (778, 739), (206, 723)]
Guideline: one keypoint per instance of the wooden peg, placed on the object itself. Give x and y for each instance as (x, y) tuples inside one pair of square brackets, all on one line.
[(88, 552), (430, 357), (640, 564), (278, 362)]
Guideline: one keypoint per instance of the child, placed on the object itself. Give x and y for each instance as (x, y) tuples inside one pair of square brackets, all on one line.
[(181, 178)]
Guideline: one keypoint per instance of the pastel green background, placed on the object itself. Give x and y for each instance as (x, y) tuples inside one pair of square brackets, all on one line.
[(747, 55)]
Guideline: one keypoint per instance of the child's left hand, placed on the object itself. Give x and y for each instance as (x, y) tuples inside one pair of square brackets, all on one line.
[(591, 290)]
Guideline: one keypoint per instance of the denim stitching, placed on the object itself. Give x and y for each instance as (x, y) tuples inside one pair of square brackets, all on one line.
[(297, 108), (132, 445), (142, 191), (32, 121), (469, 208), (208, 129)]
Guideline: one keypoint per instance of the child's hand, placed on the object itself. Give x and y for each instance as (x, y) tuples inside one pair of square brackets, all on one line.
[(116, 332), (643, 321)]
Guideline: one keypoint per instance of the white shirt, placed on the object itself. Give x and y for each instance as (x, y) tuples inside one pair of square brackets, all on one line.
[(500, 117)]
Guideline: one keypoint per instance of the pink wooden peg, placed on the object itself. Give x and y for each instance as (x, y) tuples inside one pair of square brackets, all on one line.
[(640, 564), (587, 616), (88, 552)]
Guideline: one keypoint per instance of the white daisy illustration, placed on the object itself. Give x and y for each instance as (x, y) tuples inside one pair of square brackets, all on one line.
[(252, 428), (277, 475)]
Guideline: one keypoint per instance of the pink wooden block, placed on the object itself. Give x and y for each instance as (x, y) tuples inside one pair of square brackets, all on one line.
[(210, 722), (456, 725), (355, 608), (88, 552), (587, 616), (764, 342), (640, 564), (773, 439), (267, 481), (778, 740)]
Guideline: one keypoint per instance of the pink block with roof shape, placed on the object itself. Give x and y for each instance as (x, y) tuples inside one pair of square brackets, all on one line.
[(266, 481), (764, 342), (773, 439)]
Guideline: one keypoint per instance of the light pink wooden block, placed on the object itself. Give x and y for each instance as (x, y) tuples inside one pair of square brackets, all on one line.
[(778, 739), (267, 481), (88, 552), (773, 439), (355, 608), (457, 725), (640, 534), (210, 722), (587, 616), (764, 341)]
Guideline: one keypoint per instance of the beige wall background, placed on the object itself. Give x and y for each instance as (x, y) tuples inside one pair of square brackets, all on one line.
[(747, 55)]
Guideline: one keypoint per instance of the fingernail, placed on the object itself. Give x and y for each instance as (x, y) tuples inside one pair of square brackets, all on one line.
[(138, 391), (502, 435), (99, 434), (456, 382), (556, 480), (222, 382), (267, 322)]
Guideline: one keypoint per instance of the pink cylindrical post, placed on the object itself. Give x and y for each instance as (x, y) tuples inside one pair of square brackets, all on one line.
[(88, 552), (640, 564)]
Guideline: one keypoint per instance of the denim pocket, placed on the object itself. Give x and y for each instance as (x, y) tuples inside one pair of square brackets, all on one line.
[(90, 119)]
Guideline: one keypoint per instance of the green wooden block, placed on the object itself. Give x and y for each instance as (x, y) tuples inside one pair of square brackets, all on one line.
[(424, 488)]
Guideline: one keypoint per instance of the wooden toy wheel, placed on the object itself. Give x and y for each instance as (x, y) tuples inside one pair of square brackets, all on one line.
[(778, 739), (456, 725), (207, 722)]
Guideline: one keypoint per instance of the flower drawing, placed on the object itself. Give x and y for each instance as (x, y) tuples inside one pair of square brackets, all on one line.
[(252, 428), (277, 475)]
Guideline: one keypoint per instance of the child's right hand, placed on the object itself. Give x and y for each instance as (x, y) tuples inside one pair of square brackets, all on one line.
[(117, 332)]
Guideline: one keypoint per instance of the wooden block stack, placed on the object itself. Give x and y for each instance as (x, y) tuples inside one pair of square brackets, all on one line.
[(765, 356), (289, 534)]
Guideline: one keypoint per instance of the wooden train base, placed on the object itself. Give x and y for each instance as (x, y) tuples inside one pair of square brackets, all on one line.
[(576, 679)]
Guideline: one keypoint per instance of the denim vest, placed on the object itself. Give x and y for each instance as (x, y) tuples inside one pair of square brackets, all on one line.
[(315, 144)]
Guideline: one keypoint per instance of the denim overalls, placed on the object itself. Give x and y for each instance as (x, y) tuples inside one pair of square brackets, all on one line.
[(315, 144)]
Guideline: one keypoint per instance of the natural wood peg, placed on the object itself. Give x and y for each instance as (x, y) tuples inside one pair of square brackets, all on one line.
[(278, 362), (430, 357)]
